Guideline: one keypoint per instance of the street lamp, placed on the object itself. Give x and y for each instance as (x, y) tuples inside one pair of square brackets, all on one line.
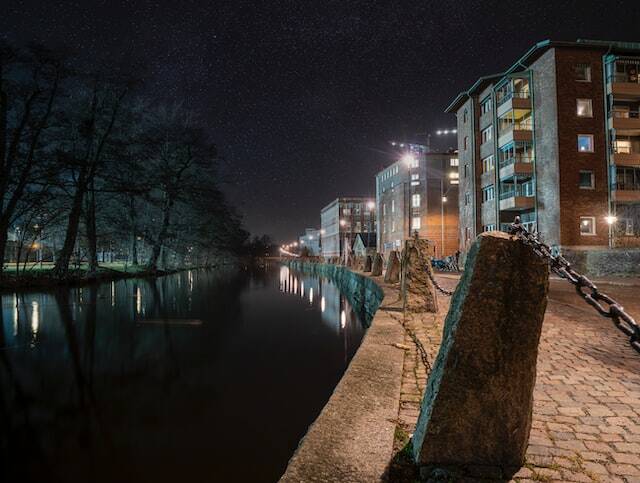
[(371, 205), (343, 222), (611, 220), (408, 159)]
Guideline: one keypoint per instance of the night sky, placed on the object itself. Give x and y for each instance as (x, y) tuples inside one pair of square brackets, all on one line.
[(302, 97)]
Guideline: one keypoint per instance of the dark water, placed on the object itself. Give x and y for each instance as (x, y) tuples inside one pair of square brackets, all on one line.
[(193, 377)]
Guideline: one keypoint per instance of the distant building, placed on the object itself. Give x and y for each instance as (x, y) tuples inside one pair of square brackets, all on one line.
[(418, 193), (311, 241), (364, 244), (342, 219), (555, 139)]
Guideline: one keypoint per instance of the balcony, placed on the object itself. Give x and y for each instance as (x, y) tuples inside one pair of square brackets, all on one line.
[(626, 195), (513, 100), (518, 131), (516, 165), (517, 196), (623, 120), (626, 158), (625, 85)]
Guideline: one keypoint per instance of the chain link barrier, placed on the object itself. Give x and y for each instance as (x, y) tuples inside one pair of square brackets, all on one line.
[(586, 289), (440, 289)]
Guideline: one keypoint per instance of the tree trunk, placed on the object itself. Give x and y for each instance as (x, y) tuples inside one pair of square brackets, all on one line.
[(159, 242), (134, 235), (61, 268), (92, 237), (4, 237)]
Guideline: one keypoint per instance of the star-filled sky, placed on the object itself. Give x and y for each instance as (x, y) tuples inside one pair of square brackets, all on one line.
[(303, 97)]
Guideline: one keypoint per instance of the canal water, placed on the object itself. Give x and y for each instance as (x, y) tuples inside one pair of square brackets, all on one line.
[(198, 376)]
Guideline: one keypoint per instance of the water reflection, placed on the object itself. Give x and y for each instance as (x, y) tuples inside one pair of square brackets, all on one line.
[(156, 380)]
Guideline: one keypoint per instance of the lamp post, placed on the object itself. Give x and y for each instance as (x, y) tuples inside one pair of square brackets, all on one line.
[(611, 220)]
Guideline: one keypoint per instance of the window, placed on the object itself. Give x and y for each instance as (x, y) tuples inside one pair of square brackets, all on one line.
[(584, 108), (415, 223), (415, 176), (454, 162), (485, 106), (393, 206), (393, 225), (466, 170), (622, 146), (467, 199), (625, 225), (489, 227), (415, 201), (487, 134), (466, 142), (488, 164), (587, 225), (346, 211), (384, 208), (464, 116), (585, 143), (583, 72), (467, 233), (488, 193), (587, 180), (627, 178)]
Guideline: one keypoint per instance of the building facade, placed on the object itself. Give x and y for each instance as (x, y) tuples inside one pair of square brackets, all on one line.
[(341, 220), (419, 193), (555, 140), (311, 241)]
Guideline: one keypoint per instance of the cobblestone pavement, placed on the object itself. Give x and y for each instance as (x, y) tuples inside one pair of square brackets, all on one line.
[(586, 421)]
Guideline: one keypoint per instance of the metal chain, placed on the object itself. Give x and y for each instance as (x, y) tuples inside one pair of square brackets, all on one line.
[(601, 302), (443, 291), (422, 352)]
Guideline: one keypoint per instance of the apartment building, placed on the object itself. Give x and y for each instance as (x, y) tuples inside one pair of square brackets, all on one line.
[(418, 193), (555, 139), (341, 220)]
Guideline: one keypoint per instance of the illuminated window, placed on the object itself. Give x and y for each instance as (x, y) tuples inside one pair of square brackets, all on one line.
[(587, 180), (415, 176), (587, 225), (393, 225), (415, 223), (393, 206), (488, 164), (454, 162), (415, 201), (584, 108), (487, 134), (583, 72), (585, 143)]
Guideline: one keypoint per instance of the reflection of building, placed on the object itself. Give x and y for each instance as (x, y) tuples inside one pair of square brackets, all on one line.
[(311, 241), (419, 193), (556, 140), (342, 219)]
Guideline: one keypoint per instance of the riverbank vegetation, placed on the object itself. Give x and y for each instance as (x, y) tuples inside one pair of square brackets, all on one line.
[(95, 175)]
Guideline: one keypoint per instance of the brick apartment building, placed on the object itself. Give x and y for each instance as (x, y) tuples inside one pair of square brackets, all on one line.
[(342, 219), (418, 193), (554, 139)]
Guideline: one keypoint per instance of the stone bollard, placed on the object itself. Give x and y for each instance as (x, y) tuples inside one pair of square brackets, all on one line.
[(376, 265), (392, 275), (367, 263), (477, 407), (417, 290)]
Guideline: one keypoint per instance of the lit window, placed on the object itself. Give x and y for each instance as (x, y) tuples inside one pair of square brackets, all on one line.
[(384, 209), (454, 162), (587, 225), (393, 225), (393, 206), (488, 164), (585, 143), (415, 201), (415, 223), (584, 108), (454, 175), (583, 72), (622, 146), (487, 134), (415, 176), (415, 183), (587, 180)]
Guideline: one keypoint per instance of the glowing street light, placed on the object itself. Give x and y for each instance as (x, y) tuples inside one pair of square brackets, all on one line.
[(343, 222), (611, 219), (371, 205), (444, 199), (408, 159)]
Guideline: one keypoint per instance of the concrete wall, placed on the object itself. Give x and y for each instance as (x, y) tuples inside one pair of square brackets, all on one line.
[(600, 263)]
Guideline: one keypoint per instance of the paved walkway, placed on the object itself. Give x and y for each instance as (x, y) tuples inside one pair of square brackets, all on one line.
[(586, 421)]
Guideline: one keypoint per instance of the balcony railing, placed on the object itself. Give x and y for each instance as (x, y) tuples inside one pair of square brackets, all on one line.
[(510, 95), (507, 127), (524, 190), (624, 114), (515, 159), (625, 78), (627, 186)]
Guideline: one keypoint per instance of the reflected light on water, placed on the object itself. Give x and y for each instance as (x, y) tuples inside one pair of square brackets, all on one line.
[(295, 285), (35, 320), (190, 275), (301, 289), (15, 314), (138, 300), (113, 294), (343, 319), (311, 295), (323, 304)]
